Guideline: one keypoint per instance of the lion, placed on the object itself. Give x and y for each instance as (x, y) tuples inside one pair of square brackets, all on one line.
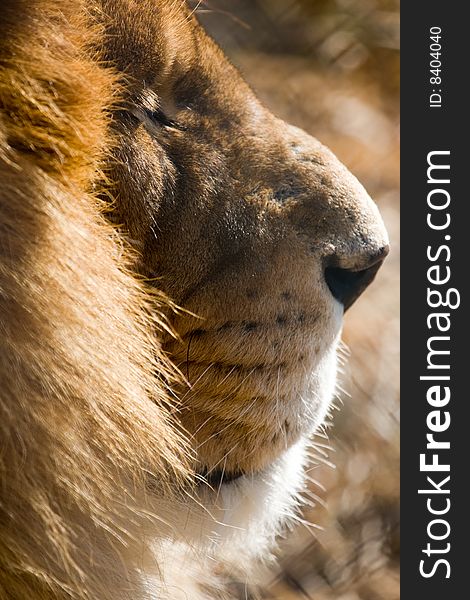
[(175, 262)]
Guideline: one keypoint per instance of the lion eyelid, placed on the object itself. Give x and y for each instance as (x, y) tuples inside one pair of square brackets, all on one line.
[(155, 117), (160, 117)]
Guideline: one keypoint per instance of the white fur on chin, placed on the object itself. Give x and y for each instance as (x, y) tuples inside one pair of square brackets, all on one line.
[(240, 525)]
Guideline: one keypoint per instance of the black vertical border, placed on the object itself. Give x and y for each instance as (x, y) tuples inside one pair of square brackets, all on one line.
[(424, 129)]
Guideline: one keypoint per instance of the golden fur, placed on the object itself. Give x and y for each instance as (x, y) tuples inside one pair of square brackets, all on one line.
[(127, 113), (82, 417)]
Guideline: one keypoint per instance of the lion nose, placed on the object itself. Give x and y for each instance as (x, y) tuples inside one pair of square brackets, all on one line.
[(347, 283), (335, 215)]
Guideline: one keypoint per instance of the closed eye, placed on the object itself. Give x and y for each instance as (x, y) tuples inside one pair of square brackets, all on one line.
[(159, 117)]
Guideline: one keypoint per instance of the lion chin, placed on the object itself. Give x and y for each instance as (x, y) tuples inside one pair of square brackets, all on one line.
[(175, 263)]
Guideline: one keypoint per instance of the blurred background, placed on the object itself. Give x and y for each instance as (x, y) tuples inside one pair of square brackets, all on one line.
[(332, 68)]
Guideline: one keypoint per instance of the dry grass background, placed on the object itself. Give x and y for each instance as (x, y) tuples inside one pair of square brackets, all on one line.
[(332, 68)]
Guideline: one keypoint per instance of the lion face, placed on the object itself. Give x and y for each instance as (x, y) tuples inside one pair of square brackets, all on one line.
[(251, 226)]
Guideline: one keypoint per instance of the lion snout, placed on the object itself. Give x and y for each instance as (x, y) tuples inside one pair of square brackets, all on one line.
[(336, 217)]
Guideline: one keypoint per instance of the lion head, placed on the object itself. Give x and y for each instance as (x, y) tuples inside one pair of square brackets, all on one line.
[(123, 123), (251, 226)]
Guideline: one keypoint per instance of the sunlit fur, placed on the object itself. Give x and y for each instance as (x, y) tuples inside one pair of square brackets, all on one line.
[(83, 420), (115, 404)]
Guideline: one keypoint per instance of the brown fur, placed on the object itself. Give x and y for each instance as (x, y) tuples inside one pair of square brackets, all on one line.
[(81, 413), (232, 214)]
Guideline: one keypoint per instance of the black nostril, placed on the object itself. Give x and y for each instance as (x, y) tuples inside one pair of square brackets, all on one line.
[(347, 285)]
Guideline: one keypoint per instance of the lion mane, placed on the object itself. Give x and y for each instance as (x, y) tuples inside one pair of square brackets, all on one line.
[(82, 416)]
